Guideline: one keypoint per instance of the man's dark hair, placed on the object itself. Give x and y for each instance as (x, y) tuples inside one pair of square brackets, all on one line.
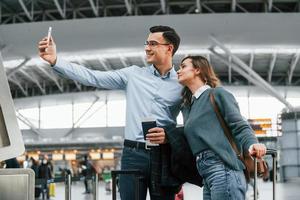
[(169, 35)]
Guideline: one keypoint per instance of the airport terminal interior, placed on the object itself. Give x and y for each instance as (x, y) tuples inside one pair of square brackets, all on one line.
[(71, 135)]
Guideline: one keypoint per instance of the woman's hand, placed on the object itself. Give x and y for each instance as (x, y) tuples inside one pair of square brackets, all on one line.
[(258, 150)]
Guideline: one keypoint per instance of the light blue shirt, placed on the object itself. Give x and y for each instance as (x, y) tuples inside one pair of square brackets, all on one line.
[(148, 94)]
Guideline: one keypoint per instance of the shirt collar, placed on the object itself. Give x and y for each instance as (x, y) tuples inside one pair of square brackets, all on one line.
[(171, 73), (200, 90)]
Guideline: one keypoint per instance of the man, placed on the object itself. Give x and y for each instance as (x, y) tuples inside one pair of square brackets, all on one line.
[(87, 172), (151, 91), (44, 172)]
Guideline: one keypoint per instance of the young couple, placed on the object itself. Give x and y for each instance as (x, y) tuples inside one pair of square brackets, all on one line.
[(158, 91)]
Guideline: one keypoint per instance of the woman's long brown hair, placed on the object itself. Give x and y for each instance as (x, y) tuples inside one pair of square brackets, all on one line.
[(207, 75)]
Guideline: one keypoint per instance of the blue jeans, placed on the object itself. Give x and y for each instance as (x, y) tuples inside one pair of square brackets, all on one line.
[(220, 182), (133, 158)]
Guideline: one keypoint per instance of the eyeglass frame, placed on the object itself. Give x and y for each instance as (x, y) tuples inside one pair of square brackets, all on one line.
[(154, 43)]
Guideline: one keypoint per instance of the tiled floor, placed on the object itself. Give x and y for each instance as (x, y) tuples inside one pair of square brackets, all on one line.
[(285, 191)]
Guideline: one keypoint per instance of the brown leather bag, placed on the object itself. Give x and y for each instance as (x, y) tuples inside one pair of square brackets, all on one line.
[(246, 158)]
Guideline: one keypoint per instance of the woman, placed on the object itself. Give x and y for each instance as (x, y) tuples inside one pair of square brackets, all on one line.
[(217, 162)]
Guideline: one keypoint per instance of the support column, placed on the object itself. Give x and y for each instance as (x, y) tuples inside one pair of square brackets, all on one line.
[(290, 145)]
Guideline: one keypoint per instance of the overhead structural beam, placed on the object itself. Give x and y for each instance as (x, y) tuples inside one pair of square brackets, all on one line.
[(242, 8), (104, 64), (230, 70), (270, 5), (81, 61), (14, 70), (50, 16), (78, 86), (30, 16), (191, 10), (207, 8), (50, 76), (276, 8), (250, 78), (15, 81), (85, 112), (271, 66), (251, 61), (293, 65), (128, 4), (4, 5), (34, 79), (157, 11), (93, 113), (62, 11), (75, 124), (123, 61), (95, 7), (246, 70), (163, 6), (234, 66), (233, 5), (28, 123), (198, 6)]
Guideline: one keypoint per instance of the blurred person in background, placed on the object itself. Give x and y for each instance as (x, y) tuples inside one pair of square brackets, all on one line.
[(12, 163), (44, 172), (87, 173)]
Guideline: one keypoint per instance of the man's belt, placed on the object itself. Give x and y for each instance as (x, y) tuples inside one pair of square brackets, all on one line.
[(138, 145)]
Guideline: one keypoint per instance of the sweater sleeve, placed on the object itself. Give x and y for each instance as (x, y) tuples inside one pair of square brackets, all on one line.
[(240, 128)]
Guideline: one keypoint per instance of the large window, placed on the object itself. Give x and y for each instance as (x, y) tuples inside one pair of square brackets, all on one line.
[(28, 117), (116, 113), (59, 116), (90, 115), (100, 114)]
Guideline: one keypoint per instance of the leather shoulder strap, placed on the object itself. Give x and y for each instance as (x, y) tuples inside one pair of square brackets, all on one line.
[(225, 127)]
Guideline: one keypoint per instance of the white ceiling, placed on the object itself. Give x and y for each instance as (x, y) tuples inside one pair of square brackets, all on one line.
[(267, 37), (127, 34)]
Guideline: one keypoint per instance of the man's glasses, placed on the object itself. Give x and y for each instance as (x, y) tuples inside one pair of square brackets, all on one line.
[(153, 43)]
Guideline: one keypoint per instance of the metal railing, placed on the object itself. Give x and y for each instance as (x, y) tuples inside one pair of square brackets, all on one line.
[(136, 173), (67, 180)]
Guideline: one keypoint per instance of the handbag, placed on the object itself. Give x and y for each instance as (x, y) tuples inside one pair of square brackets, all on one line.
[(245, 157)]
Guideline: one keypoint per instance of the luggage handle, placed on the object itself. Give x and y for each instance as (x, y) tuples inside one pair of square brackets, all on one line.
[(138, 174), (273, 153)]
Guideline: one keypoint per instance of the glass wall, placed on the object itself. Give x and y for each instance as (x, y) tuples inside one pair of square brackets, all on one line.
[(112, 113)]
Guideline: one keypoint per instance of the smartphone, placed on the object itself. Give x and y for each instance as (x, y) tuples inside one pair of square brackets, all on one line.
[(49, 34), (148, 124)]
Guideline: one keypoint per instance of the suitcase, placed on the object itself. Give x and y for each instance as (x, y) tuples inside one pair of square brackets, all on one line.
[(273, 153), (52, 189), (37, 191), (136, 173)]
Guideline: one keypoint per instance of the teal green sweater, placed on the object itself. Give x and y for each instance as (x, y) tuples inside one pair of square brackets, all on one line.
[(203, 130)]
